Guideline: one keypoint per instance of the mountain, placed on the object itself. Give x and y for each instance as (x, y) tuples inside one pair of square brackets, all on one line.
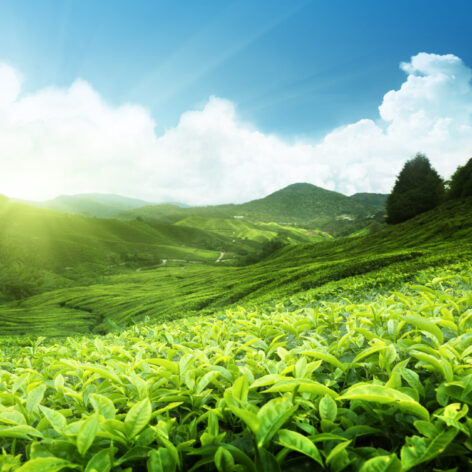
[(101, 205), (376, 200), (302, 203)]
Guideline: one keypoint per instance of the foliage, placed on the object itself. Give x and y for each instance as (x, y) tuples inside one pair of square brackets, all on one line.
[(460, 185), (367, 381), (418, 188)]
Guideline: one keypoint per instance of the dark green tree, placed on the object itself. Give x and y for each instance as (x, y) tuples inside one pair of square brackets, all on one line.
[(418, 188), (460, 184)]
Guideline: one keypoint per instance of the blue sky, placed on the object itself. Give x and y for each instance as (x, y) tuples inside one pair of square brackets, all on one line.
[(292, 67), (214, 85)]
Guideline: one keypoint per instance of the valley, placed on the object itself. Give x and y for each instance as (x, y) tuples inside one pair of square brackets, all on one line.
[(136, 329)]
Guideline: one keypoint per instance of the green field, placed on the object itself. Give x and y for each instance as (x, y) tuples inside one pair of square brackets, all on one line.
[(146, 354), (371, 373), (181, 288)]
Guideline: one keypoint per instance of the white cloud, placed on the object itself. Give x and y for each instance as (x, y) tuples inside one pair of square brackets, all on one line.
[(70, 141)]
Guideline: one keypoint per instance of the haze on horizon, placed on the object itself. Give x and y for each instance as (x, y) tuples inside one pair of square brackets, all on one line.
[(232, 106)]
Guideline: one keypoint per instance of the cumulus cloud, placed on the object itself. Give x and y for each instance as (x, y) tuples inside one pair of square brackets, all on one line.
[(69, 140)]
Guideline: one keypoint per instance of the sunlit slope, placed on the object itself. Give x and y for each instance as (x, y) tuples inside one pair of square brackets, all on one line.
[(439, 237), (41, 249), (59, 239)]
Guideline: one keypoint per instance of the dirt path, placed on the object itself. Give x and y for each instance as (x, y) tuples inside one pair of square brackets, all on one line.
[(220, 257), (162, 264)]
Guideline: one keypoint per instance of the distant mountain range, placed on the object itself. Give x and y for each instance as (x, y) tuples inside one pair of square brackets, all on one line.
[(300, 203), (102, 205)]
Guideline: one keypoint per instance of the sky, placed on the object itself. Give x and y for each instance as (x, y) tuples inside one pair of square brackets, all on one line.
[(206, 102)]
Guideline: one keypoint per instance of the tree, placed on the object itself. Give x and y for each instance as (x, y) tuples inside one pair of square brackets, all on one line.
[(460, 184), (418, 188)]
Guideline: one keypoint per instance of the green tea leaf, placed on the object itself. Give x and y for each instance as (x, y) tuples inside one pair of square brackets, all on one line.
[(87, 432), (328, 408), (100, 462), (385, 395), (56, 419), (420, 450), (21, 431), (438, 365), (272, 416), (240, 388), (47, 464), (326, 357), (224, 460), (302, 386), (297, 442), (425, 325), (103, 406), (138, 417), (34, 398), (338, 459), (389, 463), (161, 460)]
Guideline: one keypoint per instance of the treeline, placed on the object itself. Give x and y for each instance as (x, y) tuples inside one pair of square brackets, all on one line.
[(420, 188)]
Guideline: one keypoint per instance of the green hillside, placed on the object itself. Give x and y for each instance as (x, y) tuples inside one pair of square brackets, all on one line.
[(239, 229), (302, 204), (43, 249), (169, 213), (375, 200), (346, 354), (435, 238), (368, 373)]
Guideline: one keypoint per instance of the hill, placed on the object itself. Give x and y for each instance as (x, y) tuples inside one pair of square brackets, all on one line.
[(91, 204), (304, 202), (43, 249), (300, 204), (374, 200), (439, 237)]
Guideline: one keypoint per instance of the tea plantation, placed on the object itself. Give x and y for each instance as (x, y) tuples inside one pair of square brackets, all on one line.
[(345, 378), (349, 355)]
